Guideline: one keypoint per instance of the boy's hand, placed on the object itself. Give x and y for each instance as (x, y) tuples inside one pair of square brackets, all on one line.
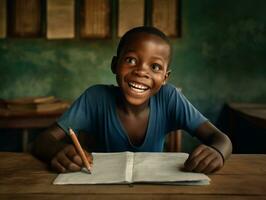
[(204, 159), (68, 160)]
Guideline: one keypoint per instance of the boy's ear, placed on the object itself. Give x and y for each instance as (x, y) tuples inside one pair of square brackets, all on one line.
[(113, 64), (166, 77)]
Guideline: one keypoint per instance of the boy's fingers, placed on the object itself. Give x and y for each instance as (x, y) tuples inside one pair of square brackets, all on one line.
[(89, 157), (73, 155), (73, 167), (212, 167), (57, 166), (67, 163), (192, 165), (77, 160), (204, 159), (195, 153), (205, 163), (70, 151), (192, 162), (215, 164)]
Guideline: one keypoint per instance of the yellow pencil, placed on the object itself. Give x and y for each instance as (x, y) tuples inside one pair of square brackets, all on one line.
[(79, 149)]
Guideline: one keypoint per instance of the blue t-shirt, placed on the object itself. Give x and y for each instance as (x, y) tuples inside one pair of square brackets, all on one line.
[(94, 112)]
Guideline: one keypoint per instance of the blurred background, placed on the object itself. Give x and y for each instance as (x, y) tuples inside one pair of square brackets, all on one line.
[(52, 49)]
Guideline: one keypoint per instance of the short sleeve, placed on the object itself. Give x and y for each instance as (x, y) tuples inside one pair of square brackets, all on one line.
[(182, 114), (80, 115)]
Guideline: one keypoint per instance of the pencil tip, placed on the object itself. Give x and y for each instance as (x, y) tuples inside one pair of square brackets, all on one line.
[(84, 169)]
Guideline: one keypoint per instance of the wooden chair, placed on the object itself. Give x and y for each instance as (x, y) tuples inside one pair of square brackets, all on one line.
[(174, 138), (174, 141)]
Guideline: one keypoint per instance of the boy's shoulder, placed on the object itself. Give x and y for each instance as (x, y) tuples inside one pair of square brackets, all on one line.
[(100, 90), (168, 93), (99, 87), (169, 89)]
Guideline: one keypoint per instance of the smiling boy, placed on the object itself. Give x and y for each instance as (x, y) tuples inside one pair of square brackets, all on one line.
[(137, 114)]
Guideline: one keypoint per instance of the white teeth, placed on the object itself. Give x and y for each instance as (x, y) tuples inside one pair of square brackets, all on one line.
[(137, 87)]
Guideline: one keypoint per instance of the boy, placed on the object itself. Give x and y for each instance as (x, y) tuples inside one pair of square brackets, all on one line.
[(137, 114)]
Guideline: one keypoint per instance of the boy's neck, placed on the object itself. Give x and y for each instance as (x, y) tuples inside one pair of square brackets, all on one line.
[(129, 109)]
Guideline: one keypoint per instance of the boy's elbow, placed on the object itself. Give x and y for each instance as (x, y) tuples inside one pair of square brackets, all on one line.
[(228, 144), (48, 143), (38, 147)]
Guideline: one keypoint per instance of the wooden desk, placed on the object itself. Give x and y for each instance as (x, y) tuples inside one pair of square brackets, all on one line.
[(252, 116), (26, 121), (24, 177), (255, 113)]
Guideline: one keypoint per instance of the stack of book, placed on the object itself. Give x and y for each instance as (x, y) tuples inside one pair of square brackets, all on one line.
[(37, 104)]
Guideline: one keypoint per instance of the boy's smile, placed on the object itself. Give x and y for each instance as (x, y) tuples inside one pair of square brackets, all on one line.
[(141, 67)]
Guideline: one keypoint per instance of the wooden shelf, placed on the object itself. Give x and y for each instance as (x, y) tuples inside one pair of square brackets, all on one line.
[(24, 18)]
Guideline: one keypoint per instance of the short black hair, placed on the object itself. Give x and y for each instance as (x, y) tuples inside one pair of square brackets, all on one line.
[(143, 29)]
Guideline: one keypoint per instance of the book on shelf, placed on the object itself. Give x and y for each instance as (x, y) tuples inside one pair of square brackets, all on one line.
[(38, 104), (31, 100), (141, 167)]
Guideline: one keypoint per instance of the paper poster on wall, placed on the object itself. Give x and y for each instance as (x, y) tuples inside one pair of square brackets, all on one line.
[(60, 19)]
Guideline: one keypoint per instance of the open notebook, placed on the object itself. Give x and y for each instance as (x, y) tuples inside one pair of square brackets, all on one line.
[(128, 167)]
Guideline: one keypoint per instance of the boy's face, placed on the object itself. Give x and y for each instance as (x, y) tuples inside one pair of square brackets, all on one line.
[(141, 68)]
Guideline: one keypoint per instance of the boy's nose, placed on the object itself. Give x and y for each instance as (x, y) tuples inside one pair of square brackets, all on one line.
[(142, 70)]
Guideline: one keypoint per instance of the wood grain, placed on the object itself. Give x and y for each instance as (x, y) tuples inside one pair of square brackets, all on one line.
[(165, 16), (24, 177), (130, 14), (3, 18), (95, 19), (24, 18), (60, 19)]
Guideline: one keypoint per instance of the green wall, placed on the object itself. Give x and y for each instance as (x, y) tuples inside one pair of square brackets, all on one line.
[(220, 57)]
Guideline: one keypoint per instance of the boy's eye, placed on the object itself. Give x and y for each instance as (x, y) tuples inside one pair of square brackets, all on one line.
[(131, 60), (156, 67)]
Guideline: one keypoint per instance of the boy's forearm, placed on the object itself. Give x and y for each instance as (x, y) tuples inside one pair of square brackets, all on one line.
[(47, 145), (221, 143), (211, 136)]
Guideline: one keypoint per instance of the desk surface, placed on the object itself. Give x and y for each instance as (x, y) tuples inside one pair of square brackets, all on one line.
[(24, 177)]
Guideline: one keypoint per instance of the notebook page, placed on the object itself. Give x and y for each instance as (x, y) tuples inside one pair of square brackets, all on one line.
[(129, 167), (107, 168), (164, 168)]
